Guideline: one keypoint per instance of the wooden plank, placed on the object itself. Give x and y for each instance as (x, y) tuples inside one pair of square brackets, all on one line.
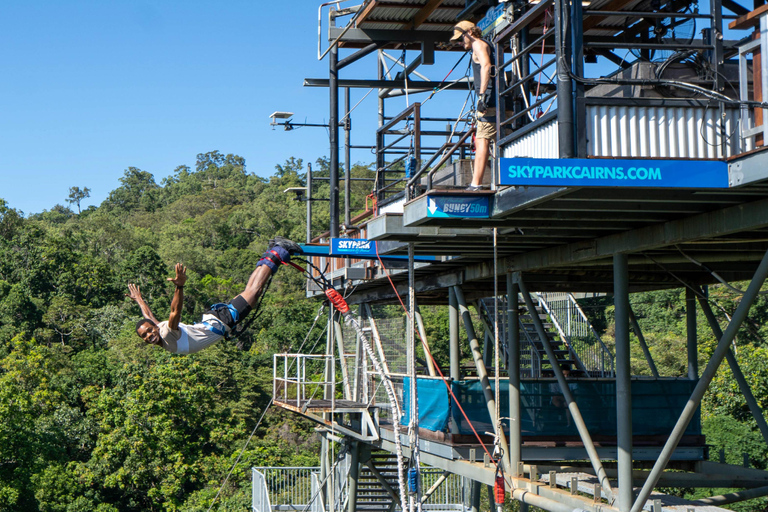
[(751, 19), (424, 13)]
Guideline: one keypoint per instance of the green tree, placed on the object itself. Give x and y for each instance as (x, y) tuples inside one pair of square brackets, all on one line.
[(76, 194)]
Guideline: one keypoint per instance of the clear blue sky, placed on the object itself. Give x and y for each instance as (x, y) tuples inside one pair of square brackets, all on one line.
[(90, 88)]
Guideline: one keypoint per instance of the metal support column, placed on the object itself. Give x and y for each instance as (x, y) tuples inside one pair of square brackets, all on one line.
[(333, 133), (594, 458), (706, 377), (342, 360), (347, 160), (482, 372), (623, 381), (354, 473), (425, 344), (414, 405), (690, 328), (513, 358), (564, 83), (643, 344), (453, 330), (474, 496), (453, 346), (580, 109), (757, 412), (309, 204)]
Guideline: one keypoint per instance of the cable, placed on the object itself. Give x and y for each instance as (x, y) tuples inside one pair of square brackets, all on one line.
[(241, 453), (437, 367), (271, 400)]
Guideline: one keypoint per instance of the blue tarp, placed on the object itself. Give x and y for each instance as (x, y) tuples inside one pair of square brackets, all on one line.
[(434, 404), (656, 405)]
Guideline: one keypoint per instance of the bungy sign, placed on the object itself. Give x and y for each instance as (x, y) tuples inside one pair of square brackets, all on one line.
[(582, 172), (352, 247), (458, 207)]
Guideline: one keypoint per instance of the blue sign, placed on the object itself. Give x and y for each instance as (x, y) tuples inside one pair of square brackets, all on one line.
[(458, 207), (593, 172), (492, 19), (353, 247)]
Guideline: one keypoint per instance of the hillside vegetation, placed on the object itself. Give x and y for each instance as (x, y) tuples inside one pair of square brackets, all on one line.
[(91, 419)]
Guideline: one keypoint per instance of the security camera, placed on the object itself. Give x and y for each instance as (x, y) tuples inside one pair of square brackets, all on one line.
[(299, 191)]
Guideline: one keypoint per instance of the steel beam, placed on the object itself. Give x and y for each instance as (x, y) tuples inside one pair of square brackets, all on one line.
[(413, 85), (453, 335), (565, 122), (354, 473), (589, 446), (734, 497), (757, 412), (425, 344), (513, 356), (709, 372), (482, 372), (643, 344), (690, 331), (623, 381), (342, 359), (745, 217), (333, 131)]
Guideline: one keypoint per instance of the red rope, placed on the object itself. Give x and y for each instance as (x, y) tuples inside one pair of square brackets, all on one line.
[(429, 354)]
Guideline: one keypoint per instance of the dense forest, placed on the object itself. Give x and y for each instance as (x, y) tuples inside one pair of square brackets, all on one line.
[(92, 419)]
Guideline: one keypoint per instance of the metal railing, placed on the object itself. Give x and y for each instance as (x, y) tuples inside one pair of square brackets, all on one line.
[(577, 333), (296, 488), (297, 378), (259, 493)]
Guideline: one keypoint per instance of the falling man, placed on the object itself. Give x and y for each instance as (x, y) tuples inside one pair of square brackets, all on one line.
[(217, 321)]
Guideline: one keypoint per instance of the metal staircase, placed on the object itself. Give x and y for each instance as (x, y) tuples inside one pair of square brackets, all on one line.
[(576, 344)]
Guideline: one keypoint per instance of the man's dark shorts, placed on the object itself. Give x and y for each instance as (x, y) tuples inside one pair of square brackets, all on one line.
[(231, 313)]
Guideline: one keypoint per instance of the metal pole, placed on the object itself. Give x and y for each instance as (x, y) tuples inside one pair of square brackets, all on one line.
[(623, 380), (453, 346), (354, 472), (643, 344), (564, 85), (690, 325), (333, 130), (474, 497), (594, 458), (482, 373), (342, 359), (425, 344), (414, 426), (706, 377), (513, 357), (757, 412), (453, 330), (347, 160), (309, 203)]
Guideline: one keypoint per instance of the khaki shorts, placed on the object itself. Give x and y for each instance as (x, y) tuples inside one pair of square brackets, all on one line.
[(486, 130)]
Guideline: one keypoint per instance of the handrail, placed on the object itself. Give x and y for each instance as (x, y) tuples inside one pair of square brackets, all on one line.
[(599, 359), (592, 328), (566, 339), (259, 492), (446, 156)]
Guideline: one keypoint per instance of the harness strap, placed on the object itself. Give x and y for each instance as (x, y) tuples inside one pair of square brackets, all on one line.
[(214, 330)]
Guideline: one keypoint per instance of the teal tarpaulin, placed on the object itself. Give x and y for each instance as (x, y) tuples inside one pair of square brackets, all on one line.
[(656, 405), (434, 404)]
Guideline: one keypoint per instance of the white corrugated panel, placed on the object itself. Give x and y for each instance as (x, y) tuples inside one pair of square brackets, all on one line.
[(540, 143), (661, 132)]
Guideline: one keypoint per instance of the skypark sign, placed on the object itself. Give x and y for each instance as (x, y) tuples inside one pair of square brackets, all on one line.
[(593, 172)]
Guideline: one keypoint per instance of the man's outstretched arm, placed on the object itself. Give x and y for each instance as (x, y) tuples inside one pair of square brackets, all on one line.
[(178, 296), (135, 294)]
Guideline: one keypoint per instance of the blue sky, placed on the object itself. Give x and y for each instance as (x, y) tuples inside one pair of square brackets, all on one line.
[(90, 88)]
